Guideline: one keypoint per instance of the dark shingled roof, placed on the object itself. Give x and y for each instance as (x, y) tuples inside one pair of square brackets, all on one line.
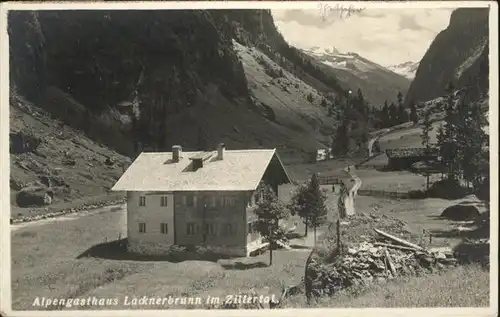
[(410, 152)]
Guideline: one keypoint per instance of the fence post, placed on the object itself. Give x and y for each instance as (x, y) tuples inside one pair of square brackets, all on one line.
[(338, 236)]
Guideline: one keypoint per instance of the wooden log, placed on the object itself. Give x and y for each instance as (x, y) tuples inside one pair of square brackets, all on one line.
[(392, 246), (391, 265), (398, 240)]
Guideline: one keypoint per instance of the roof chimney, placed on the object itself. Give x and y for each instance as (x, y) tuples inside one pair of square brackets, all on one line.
[(176, 153), (221, 148)]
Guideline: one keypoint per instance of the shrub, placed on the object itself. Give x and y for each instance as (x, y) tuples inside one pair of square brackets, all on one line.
[(417, 194), (447, 189)]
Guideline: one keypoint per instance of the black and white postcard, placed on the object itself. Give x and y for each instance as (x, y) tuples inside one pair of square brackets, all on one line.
[(187, 158)]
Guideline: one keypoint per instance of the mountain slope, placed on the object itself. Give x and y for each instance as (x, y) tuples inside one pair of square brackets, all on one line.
[(151, 79), (285, 95), (458, 54), (406, 69), (354, 71), (146, 80), (44, 151)]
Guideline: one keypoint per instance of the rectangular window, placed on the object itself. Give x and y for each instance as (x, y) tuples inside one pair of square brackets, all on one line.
[(164, 228), (142, 201), (209, 229), (228, 230), (250, 228), (257, 197), (189, 200), (219, 202), (190, 228), (164, 201), (229, 202), (142, 227), (211, 201)]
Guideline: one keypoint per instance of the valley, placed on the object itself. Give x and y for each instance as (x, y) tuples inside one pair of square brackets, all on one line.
[(91, 91)]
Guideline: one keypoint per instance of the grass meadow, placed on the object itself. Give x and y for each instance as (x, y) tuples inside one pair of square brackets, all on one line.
[(50, 260)]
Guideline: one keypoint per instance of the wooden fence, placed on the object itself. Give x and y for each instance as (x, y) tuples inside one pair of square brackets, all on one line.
[(384, 194), (328, 180)]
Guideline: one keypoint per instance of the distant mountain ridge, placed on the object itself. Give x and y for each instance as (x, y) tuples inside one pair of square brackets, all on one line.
[(377, 82), (458, 55), (406, 69)]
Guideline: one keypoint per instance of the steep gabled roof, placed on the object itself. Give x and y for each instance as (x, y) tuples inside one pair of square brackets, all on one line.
[(238, 171)]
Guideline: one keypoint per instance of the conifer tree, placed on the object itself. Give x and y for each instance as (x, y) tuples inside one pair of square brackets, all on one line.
[(386, 117), (448, 145), (413, 112), (317, 199), (270, 211), (308, 202), (393, 114), (425, 136)]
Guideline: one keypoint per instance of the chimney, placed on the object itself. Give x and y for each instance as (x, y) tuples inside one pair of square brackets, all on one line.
[(176, 153), (221, 148)]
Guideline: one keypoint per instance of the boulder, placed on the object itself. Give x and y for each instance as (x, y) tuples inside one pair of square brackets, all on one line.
[(22, 142), (69, 161), (52, 180), (15, 183), (34, 196), (460, 212), (109, 161)]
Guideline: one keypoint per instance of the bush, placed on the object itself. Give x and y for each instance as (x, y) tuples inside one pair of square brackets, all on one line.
[(417, 194), (447, 189), (310, 98), (461, 212)]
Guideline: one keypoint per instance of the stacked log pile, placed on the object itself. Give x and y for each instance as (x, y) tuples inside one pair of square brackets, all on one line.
[(378, 260)]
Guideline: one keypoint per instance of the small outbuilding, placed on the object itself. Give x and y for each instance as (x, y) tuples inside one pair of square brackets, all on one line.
[(404, 158)]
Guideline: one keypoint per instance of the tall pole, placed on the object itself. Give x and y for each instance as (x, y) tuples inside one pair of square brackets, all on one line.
[(204, 226)]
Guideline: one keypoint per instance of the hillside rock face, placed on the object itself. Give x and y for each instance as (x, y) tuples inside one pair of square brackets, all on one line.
[(137, 80), (458, 54)]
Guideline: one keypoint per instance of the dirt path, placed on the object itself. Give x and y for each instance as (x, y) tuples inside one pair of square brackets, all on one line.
[(353, 192), (373, 140)]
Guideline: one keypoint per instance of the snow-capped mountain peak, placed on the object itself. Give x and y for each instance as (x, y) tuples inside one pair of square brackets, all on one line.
[(355, 71), (407, 69), (321, 51)]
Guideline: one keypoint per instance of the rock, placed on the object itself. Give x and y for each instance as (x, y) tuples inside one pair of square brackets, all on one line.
[(23, 142), (34, 195), (440, 255), (460, 212), (52, 180), (69, 161), (15, 184), (351, 251), (109, 161)]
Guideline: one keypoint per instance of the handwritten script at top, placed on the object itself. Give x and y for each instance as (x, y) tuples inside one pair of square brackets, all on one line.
[(337, 10)]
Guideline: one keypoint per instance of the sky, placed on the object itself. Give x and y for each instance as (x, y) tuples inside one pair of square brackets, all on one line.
[(385, 36)]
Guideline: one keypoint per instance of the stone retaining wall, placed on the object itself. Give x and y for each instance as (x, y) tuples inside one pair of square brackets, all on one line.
[(151, 248), (84, 207)]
